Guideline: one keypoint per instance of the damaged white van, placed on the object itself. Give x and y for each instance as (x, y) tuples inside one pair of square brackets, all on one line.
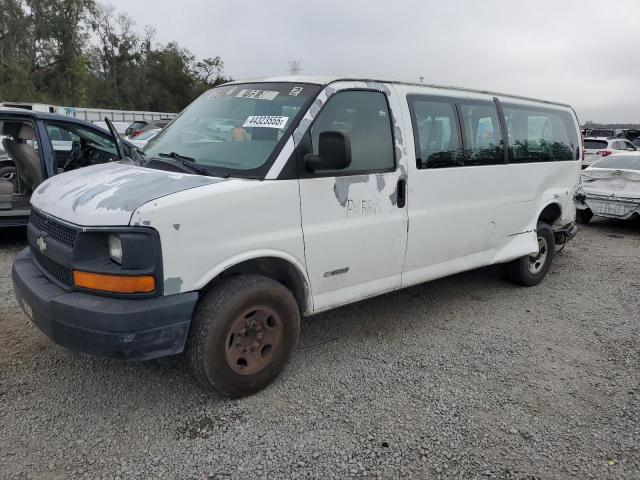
[(271, 199)]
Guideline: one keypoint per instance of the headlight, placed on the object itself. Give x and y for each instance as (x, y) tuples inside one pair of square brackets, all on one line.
[(115, 249)]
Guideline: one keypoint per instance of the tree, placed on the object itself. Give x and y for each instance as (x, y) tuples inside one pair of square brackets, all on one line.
[(16, 52), (61, 34), (77, 52)]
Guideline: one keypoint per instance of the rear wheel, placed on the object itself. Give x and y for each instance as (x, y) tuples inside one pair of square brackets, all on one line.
[(531, 269), (584, 216), (242, 335)]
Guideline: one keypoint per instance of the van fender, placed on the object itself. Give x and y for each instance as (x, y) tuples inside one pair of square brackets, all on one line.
[(239, 258)]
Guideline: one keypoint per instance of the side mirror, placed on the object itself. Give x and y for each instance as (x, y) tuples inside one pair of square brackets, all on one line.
[(334, 152)]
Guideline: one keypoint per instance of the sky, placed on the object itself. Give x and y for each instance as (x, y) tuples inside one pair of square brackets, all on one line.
[(581, 52)]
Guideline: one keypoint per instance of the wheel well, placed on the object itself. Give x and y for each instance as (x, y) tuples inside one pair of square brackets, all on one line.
[(550, 214), (275, 268)]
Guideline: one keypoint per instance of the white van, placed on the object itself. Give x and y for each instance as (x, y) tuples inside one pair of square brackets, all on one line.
[(324, 192)]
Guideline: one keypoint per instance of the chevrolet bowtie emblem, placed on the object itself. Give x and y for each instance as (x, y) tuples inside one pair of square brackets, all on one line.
[(42, 245)]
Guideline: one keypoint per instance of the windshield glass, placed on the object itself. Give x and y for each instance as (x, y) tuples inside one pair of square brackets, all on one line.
[(234, 127), (619, 162)]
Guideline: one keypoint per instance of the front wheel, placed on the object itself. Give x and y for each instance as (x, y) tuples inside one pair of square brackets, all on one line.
[(531, 269), (242, 335)]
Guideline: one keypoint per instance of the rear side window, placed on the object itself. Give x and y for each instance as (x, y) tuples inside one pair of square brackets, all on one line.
[(595, 144), (483, 134), (438, 142), (364, 116), (540, 135)]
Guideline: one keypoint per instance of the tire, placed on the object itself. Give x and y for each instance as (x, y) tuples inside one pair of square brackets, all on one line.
[(530, 270), (584, 216), (242, 334), (9, 173)]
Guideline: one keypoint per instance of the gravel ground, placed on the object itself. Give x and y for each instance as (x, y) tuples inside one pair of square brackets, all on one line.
[(465, 377)]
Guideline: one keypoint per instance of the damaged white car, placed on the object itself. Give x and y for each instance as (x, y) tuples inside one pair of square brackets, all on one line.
[(610, 188)]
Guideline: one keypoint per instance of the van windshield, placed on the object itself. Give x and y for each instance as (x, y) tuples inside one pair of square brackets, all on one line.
[(235, 128)]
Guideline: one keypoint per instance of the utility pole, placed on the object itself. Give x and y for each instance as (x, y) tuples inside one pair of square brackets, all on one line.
[(421, 78), (295, 67)]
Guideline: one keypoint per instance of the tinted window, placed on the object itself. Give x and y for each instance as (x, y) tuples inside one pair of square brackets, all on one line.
[(540, 135), (622, 162), (364, 116), (595, 144), (438, 142), (483, 135)]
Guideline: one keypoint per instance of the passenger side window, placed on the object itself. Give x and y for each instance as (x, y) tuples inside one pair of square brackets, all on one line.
[(483, 134), (438, 142), (365, 117), (537, 135)]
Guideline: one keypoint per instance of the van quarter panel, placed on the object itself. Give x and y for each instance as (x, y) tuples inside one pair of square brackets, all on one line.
[(465, 217)]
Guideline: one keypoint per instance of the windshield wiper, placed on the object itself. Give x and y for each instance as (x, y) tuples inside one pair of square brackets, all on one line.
[(176, 156), (187, 162)]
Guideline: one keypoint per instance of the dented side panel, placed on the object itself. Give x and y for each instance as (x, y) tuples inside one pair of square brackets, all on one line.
[(462, 218)]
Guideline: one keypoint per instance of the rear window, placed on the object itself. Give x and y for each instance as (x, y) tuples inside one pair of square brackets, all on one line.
[(595, 144), (137, 125), (602, 133), (621, 162)]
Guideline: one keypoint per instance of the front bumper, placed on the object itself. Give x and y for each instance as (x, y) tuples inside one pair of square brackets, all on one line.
[(135, 329)]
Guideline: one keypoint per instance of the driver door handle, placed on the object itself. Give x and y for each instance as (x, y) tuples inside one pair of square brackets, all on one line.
[(401, 193)]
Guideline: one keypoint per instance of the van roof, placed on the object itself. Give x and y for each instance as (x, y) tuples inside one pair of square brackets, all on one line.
[(325, 80)]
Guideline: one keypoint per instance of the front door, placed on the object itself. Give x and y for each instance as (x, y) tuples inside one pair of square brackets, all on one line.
[(355, 227)]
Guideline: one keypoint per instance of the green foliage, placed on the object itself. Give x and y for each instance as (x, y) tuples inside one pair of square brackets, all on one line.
[(80, 53)]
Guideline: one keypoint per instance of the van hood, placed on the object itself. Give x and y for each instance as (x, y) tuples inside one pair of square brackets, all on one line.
[(109, 193)]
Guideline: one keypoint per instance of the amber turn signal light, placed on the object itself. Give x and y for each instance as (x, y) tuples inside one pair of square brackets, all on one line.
[(114, 283)]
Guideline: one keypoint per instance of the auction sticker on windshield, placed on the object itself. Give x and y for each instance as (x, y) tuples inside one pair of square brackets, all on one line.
[(266, 121), (257, 94)]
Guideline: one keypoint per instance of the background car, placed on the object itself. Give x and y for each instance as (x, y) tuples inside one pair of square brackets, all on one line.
[(121, 127), (610, 188), (630, 134), (602, 132), (141, 140), (597, 148), (136, 128)]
